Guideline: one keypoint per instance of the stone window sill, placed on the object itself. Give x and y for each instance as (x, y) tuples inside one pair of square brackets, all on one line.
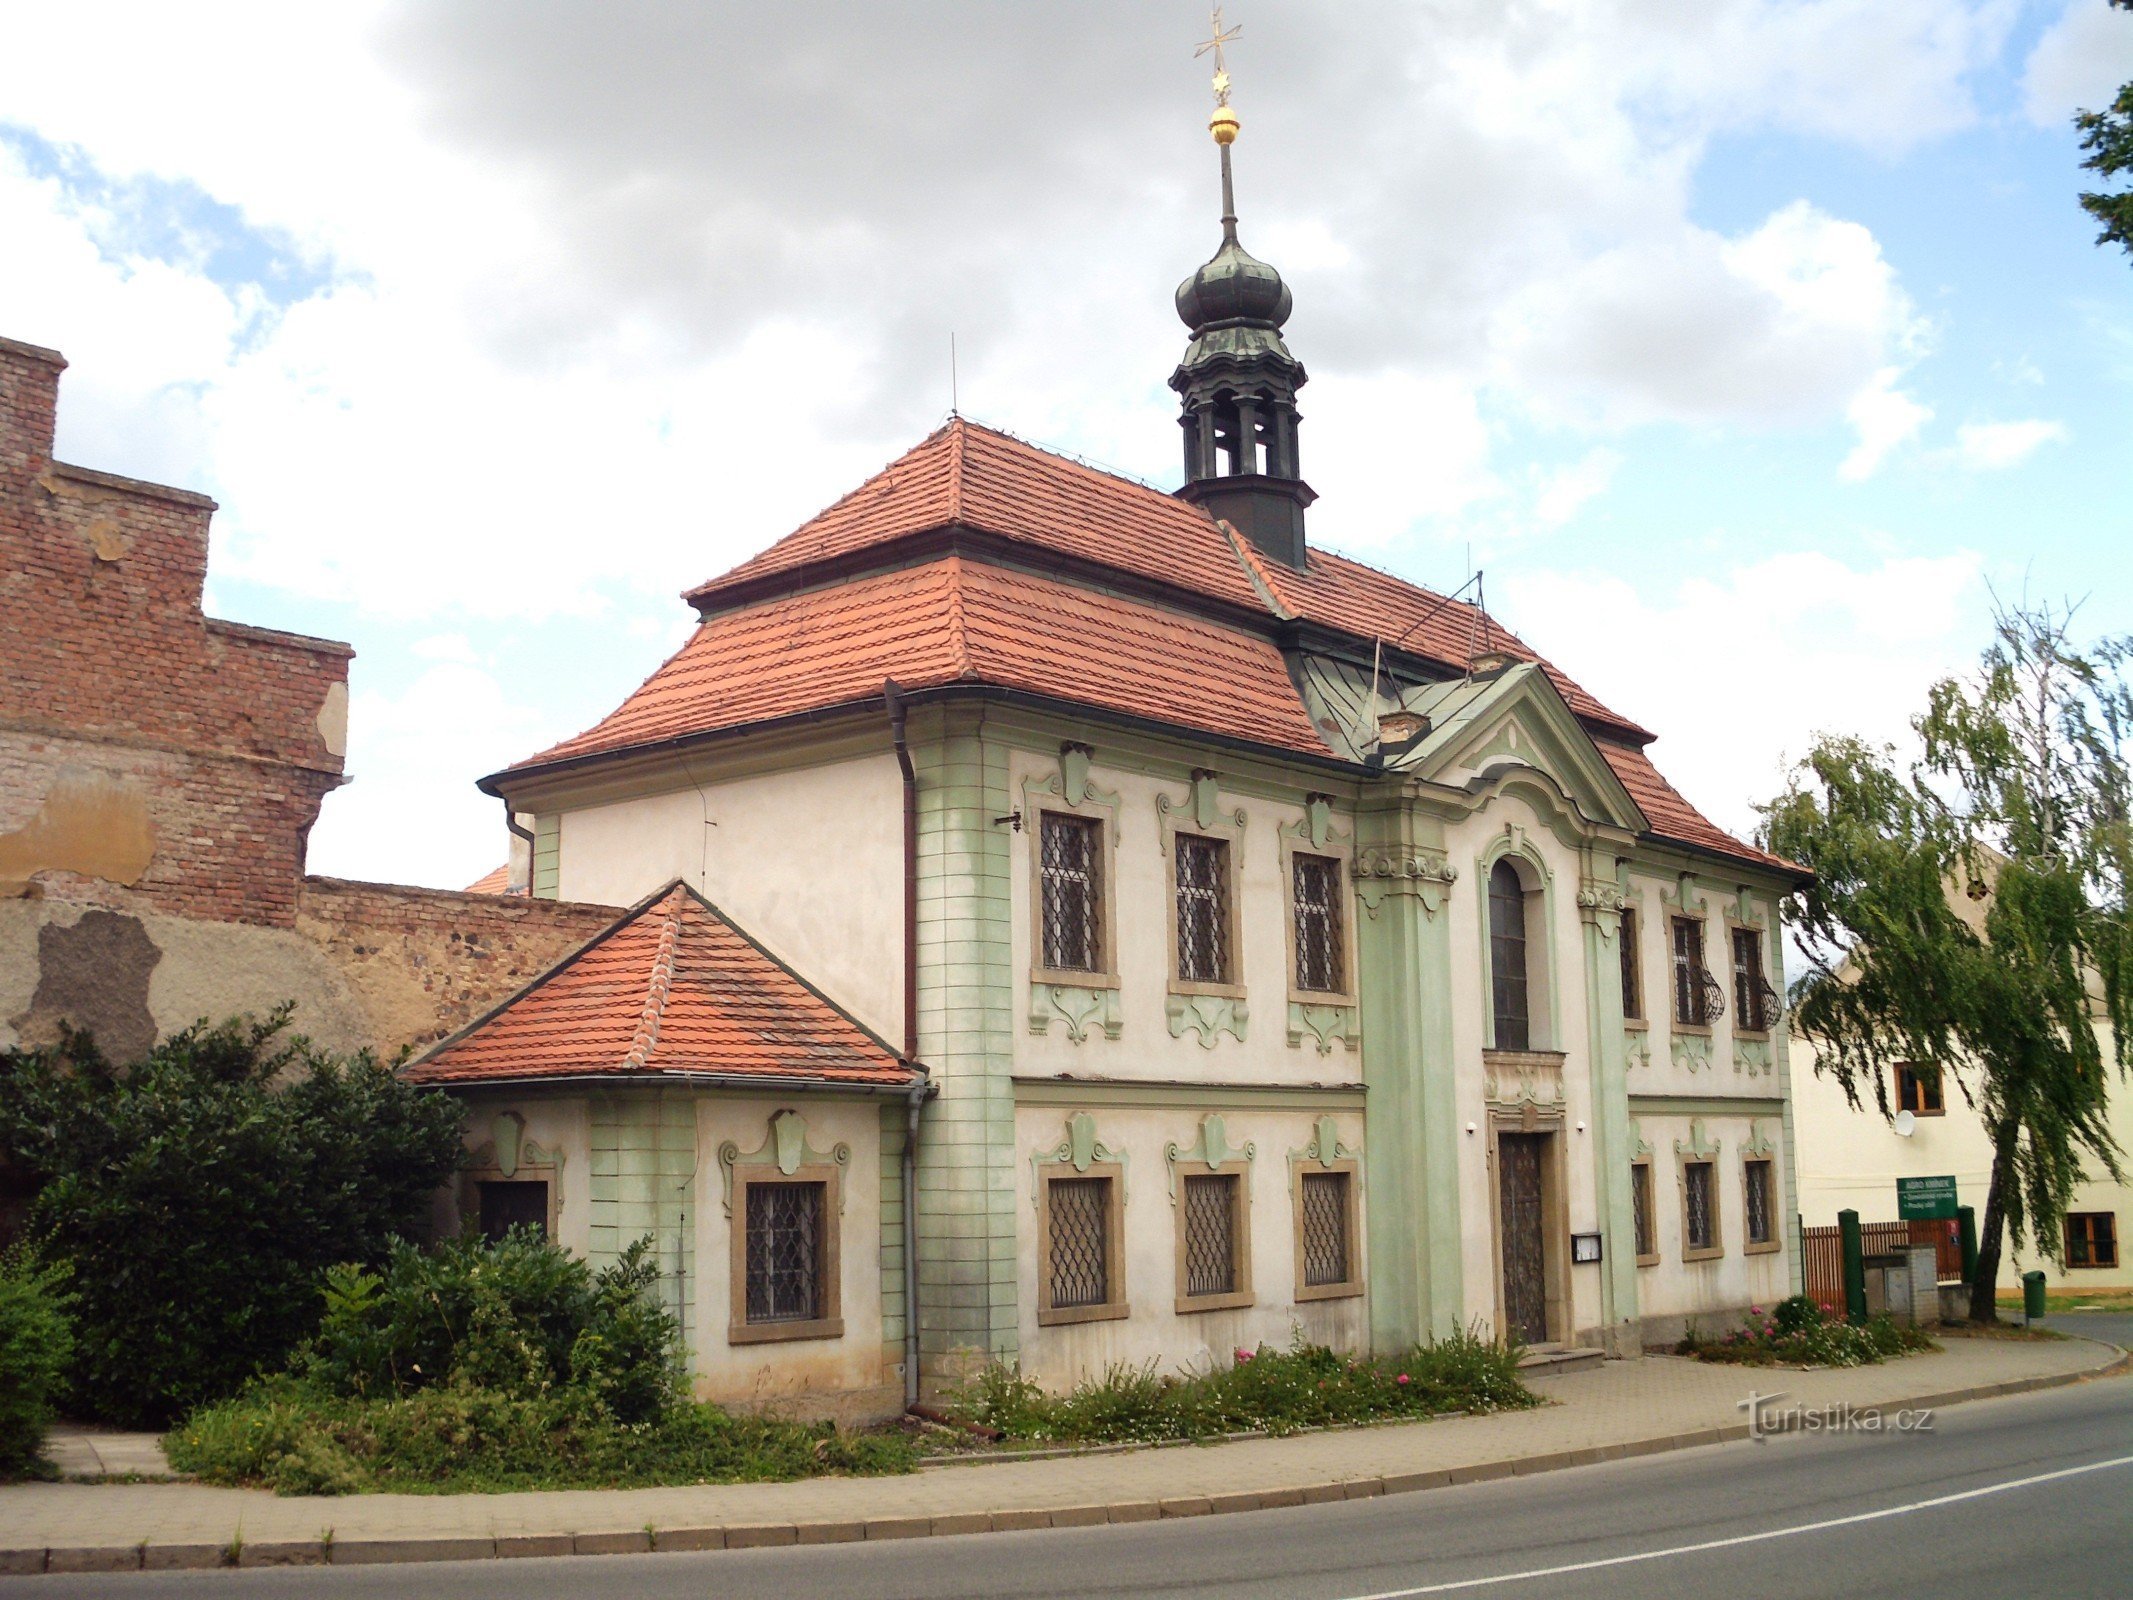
[(1330, 1291), (777, 1332), (1063, 1316), (1188, 1304)]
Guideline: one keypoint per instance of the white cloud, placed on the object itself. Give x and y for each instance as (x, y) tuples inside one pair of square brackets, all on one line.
[(1884, 417), (1852, 650), (2079, 63), (1992, 446), (1563, 493)]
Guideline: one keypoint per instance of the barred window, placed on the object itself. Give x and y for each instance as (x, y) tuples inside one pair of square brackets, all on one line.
[(1320, 957), (784, 1252), (1507, 956), (1700, 1219), (1211, 1234), (1757, 1174), (1073, 886), (1080, 1214), (1325, 1229), (1692, 989), (1640, 1199), (1203, 909), (1632, 972), (1748, 981)]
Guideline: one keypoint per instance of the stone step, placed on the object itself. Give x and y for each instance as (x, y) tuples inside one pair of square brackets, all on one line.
[(1553, 1360)]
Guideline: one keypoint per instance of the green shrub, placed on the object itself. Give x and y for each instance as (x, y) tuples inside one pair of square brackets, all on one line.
[(1809, 1337), (36, 1343), (1267, 1390), (1795, 1314), (197, 1196), (519, 1317)]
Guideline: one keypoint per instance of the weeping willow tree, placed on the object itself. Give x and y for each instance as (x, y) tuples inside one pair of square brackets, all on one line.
[(1968, 914)]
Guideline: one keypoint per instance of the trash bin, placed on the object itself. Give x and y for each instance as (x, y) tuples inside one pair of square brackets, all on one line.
[(2032, 1295)]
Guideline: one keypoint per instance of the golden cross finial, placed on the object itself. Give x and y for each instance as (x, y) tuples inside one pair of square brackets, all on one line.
[(1221, 37)]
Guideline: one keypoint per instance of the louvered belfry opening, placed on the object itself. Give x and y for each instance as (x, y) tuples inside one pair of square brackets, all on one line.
[(1210, 1202), (1325, 1228), (1072, 863), (784, 1252), (1203, 909), (1081, 1236)]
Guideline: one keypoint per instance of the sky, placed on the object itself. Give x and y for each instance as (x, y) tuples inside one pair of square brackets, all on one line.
[(1749, 348)]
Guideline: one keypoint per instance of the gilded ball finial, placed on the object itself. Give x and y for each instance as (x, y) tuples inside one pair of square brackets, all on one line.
[(1223, 125)]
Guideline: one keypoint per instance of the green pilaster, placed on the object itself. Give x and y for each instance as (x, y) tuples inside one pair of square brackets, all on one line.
[(1410, 1129), (892, 1230), (966, 1171), (1600, 909), (546, 869), (643, 1186)]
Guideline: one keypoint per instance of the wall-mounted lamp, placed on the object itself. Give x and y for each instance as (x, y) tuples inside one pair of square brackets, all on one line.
[(1469, 1127), (1581, 1127)]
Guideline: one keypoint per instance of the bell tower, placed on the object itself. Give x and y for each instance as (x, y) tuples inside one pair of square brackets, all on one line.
[(1238, 381)]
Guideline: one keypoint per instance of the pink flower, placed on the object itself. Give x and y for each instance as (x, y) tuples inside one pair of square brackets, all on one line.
[(1243, 1355), (1403, 1378), (1755, 1311)]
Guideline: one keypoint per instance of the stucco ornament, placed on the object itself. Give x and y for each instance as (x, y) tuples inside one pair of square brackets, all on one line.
[(1382, 871), (1691, 1052), (1080, 1149), (1752, 1056), (1203, 805), (1070, 787), (1081, 1009), (1207, 1015), (1522, 1078), (1760, 1147), (1636, 1048), (1639, 1150), (1210, 1148), (507, 1151), (1694, 1148), (1325, 1026), (785, 1146), (1325, 1147)]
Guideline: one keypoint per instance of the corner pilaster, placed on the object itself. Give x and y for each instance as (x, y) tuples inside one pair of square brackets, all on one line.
[(1600, 902)]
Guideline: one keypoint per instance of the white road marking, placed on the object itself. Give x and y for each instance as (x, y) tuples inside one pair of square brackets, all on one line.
[(1745, 1538)]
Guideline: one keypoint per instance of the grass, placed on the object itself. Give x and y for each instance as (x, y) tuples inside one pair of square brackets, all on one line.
[(1263, 1390), (1798, 1333), (297, 1440), (1997, 1330), (2058, 1300)]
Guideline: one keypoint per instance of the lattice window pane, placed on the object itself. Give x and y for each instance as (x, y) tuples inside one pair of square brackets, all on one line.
[(1696, 1177), (784, 1252), (1081, 1241), (1319, 953), (1640, 1195), (1210, 1202), (1693, 987), (1203, 909), (1632, 985), (1325, 1228), (1748, 984), (1072, 873), (1758, 1192), (1507, 956)]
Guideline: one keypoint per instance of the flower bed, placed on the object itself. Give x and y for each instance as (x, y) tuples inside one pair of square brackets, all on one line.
[(1799, 1333)]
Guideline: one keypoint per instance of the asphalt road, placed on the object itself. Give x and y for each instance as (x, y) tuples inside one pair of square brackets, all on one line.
[(2027, 1495)]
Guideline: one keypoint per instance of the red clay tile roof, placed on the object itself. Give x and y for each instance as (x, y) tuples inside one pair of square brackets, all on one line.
[(1670, 814), (497, 880), (957, 620), (672, 987)]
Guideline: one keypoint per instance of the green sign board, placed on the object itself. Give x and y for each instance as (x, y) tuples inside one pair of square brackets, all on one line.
[(1925, 1199)]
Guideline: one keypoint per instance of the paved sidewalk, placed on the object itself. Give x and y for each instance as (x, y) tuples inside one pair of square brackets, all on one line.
[(1623, 1408)]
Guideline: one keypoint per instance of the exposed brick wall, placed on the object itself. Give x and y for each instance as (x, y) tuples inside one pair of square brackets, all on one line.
[(425, 962), (116, 694)]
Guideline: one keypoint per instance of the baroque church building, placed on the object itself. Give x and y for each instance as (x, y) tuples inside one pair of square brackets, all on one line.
[(1075, 924)]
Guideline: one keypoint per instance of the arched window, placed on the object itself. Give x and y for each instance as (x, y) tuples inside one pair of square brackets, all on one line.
[(1507, 957)]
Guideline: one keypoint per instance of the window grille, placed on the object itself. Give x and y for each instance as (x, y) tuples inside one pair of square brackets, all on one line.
[(1210, 1234), (1749, 985), (1072, 872), (784, 1252), (1702, 1230), (1319, 954), (1203, 909), (1325, 1228), (1758, 1195), (1632, 977), (1081, 1241), (1507, 956), (1698, 1000), (1640, 1197)]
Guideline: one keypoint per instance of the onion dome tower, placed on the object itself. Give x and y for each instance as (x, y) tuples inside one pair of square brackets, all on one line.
[(1238, 381)]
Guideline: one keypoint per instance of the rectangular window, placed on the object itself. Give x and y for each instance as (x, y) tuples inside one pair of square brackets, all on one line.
[(1699, 1230), (1320, 956), (1692, 1006), (1211, 1242), (1203, 909), (1325, 1229), (784, 1252), (1756, 1175), (1081, 1247), (1918, 1090), (2091, 1239), (519, 1203), (1748, 981), (1632, 972), (1640, 1199), (1072, 876)]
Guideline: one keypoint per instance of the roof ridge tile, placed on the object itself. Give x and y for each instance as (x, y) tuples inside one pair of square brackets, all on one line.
[(660, 983)]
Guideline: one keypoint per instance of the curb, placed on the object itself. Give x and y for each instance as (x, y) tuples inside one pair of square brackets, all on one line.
[(152, 1557)]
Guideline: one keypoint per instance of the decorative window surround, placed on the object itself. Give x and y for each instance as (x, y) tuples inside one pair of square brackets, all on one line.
[(1695, 1150), (1205, 1009), (1212, 1155), (1081, 1155), (1515, 1078), (1761, 1148), (1082, 1000), (1325, 1015), (1543, 1020), (1752, 1051), (784, 1156), (507, 1156), (1690, 1042), (1326, 1153)]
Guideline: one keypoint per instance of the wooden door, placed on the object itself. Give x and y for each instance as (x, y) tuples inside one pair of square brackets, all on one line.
[(1524, 1244)]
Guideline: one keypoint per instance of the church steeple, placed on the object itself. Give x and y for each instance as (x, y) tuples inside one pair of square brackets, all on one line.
[(1238, 381)]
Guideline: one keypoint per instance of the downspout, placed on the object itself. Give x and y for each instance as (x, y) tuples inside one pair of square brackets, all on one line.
[(893, 697), (511, 823)]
